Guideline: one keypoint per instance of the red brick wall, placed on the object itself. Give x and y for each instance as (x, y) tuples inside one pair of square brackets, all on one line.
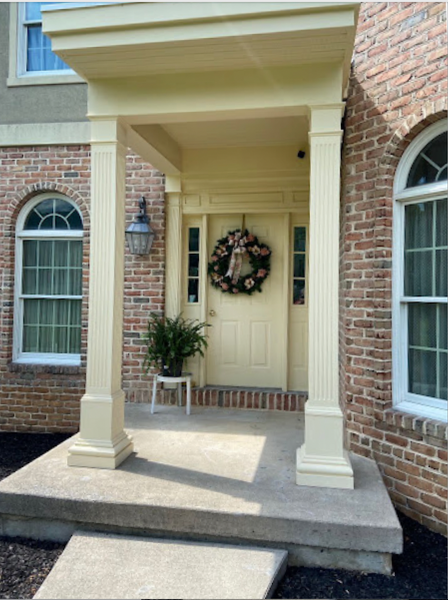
[(46, 398), (398, 87)]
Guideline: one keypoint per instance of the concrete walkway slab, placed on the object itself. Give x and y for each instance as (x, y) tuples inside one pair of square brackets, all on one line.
[(97, 566)]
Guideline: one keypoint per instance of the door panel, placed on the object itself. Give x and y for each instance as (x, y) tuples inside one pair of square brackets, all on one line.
[(245, 340)]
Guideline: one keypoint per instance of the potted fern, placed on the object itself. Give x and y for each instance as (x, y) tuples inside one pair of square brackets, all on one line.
[(170, 341)]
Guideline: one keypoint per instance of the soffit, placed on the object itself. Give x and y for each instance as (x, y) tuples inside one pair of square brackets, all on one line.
[(149, 38), (283, 131)]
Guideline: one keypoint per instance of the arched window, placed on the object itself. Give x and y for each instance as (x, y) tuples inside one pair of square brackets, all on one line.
[(420, 276), (48, 290)]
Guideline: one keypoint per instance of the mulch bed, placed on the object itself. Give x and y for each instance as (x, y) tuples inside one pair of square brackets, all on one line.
[(24, 564), (420, 572)]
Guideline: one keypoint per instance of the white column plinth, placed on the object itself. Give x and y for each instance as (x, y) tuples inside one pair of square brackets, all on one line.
[(322, 460), (102, 441)]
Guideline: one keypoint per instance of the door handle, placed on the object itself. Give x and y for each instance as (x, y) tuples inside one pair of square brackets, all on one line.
[(212, 313)]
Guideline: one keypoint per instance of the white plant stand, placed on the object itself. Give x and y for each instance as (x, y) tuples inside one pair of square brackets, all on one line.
[(184, 378)]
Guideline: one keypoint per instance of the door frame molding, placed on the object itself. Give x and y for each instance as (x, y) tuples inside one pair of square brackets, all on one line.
[(199, 206)]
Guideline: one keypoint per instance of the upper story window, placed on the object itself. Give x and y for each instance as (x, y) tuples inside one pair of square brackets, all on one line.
[(35, 47), (48, 282), (420, 276)]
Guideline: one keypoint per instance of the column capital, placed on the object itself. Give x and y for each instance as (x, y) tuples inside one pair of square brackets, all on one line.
[(173, 184), (108, 131), (325, 119)]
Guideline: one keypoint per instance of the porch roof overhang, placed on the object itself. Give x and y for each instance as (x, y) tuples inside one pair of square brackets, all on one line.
[(162, 67), (136, 39)]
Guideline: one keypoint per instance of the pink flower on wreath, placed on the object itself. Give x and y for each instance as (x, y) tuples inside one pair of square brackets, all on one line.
[(250, 238), (235, 290), (225, 286), (265, 252), (214, 258), (216, 268), (261, 273)]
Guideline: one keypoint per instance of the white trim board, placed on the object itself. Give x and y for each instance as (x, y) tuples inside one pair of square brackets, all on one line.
[(45, 134)]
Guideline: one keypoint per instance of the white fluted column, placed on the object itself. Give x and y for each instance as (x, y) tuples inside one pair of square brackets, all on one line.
[(102, 440), (322, 460)]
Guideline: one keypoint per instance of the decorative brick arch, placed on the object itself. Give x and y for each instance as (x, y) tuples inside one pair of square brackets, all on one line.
[(41, 187), (414, 124)]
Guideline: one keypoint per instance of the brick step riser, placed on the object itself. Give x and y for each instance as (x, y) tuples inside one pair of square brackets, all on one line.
[(244, 399)]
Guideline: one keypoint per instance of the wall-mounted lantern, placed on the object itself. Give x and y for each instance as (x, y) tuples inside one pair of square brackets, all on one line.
[(139, 234)]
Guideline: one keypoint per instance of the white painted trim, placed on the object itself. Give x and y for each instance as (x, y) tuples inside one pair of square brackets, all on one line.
[(38, 78), (68, 5), (411, 153), (63, 360), (45, 134), (17, 75), (404, 401), (59, 235), (422, 410), (431, 191), (287, 259), (204, 244), (28, 357)]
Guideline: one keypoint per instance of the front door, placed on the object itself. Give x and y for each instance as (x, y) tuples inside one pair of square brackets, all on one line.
[(246, 337)]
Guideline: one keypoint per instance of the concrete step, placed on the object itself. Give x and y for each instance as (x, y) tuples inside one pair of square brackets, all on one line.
[(226, 476), (116, 566)]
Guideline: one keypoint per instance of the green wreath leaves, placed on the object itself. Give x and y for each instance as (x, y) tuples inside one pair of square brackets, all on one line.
[(224, 266)]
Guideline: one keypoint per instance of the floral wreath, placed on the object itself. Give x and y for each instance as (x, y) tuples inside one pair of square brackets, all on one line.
[(227, 259)]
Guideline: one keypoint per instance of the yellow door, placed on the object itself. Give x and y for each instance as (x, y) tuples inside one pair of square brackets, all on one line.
[(246, 337)]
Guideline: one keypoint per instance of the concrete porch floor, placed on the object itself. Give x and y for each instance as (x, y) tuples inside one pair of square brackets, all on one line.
[(222, 475)]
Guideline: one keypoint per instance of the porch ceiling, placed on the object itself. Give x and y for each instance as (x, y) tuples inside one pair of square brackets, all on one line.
[(135, 39), (281, 131)]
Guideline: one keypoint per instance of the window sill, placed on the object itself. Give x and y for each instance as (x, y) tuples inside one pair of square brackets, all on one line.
[(53, 369), (58, 79), (402, 417)]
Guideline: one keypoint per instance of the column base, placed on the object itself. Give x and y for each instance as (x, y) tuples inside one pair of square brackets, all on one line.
[(324, 471), (99, 454)]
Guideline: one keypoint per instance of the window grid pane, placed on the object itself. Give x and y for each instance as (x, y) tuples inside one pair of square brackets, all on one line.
[(299, 266), (431, 164), (52, 268), (193, 265), (52, 326), (426, 275), (54, 213), (425, 254)]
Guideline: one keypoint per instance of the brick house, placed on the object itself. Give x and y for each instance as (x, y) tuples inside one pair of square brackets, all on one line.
[(229, 159)]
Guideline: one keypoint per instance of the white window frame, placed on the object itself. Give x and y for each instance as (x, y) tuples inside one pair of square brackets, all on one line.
[(18, 75), (39, 358), (424, 406)]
